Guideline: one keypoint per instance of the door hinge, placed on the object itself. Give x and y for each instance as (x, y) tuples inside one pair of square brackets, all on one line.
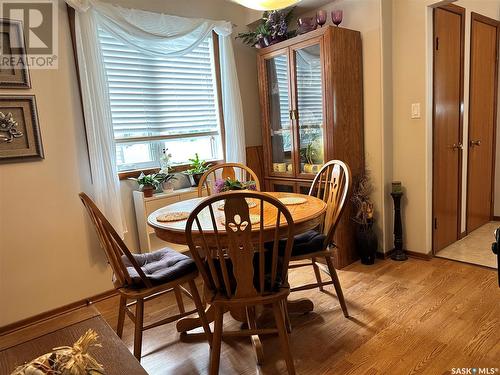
[(435, 223), (437, 43)]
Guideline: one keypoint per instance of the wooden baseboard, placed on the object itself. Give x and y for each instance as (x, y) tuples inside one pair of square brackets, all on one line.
[(411, 254), (496, 218), (56, 312)]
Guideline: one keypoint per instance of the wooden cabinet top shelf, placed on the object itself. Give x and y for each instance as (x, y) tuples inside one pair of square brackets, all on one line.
[(305, 37)]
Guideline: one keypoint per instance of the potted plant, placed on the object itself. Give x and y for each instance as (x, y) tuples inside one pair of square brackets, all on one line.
[(273, 28), (229, 184), (165, 163), (366, 238), (149, 183), (165, 182), (198, 167)]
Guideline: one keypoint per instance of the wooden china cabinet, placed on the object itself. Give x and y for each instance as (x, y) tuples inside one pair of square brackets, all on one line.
[(311, 97)]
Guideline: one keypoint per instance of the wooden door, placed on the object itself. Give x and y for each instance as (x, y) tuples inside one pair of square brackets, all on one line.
[(482, 120), (447, 124)]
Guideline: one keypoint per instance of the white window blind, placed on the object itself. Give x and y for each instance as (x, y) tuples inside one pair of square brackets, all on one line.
[(309, 88), (159, 103)]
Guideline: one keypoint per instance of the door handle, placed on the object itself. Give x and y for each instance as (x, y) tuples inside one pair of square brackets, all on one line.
[(457, 146), (473, 143)]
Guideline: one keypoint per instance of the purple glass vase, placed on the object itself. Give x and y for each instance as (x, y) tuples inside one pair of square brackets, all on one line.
[(337, 17), (321, 16)]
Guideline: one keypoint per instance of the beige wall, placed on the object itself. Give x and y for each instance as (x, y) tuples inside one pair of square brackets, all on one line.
[(49, 255), (410, 155)]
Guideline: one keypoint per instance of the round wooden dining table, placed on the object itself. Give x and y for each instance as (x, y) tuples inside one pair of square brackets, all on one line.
[(307, 215)]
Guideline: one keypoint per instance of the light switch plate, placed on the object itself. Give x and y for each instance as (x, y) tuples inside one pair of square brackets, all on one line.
[(415, 110)]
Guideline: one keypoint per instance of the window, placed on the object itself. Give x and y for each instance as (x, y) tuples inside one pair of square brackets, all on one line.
[(159, 103)]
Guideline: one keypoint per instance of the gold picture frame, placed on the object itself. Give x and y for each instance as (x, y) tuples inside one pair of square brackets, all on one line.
[(20, 137), (14, 72)]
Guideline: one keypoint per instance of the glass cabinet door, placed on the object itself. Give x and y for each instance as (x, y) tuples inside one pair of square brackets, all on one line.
[(309, 101), (279, 115)]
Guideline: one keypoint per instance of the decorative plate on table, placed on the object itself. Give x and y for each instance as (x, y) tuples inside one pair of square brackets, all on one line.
[(290, 201), (172, 216)]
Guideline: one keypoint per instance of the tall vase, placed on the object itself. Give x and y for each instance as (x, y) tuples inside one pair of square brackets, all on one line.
[(366, 243)]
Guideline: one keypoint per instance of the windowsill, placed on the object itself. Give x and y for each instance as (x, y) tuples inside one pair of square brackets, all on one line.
[(123, 175)]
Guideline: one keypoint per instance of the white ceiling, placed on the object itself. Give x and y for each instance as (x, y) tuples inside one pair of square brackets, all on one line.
[(302, 7)]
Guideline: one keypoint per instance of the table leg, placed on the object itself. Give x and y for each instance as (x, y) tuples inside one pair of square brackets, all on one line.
[(187, 324), (299, 306)]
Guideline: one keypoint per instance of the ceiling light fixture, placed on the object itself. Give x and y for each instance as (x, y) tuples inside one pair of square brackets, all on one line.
[(266, 4)]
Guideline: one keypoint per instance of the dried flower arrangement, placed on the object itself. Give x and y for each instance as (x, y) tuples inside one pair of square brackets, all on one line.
[(66, 360), (362, 202)]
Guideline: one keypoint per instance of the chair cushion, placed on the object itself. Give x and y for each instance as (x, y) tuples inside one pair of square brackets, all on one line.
[(160, 266), (308, 242), (268, 287), (304, 243)]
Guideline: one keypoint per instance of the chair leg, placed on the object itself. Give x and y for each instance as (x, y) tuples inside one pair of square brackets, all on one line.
[(139, 317), (256, 343), (285, 346), (178, 297), (336, 283), (121, 316), (286, 316), (317, 273), (216, 341), (201, 311)]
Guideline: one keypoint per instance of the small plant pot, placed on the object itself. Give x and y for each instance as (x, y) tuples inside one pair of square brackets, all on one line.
[(168, 186), (195, 178), (366, 244), (148, 191)]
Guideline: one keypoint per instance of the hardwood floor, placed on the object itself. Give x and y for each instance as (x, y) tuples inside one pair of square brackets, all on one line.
[(414, 317)]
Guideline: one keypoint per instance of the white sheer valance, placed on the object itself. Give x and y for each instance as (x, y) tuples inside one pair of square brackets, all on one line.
[(155, 34), (165, 35)]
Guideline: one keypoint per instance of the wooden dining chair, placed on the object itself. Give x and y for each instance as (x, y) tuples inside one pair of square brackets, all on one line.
[(224, 171), (332, 184), (143, 277), (238, 271)]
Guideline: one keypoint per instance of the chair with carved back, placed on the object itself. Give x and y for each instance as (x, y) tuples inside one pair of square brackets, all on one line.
[(239, 272), (332, 185), (224, 171), (143, 277)]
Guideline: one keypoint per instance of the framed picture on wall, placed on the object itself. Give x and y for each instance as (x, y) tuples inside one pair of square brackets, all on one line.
[(20, 137), (13, 61)]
